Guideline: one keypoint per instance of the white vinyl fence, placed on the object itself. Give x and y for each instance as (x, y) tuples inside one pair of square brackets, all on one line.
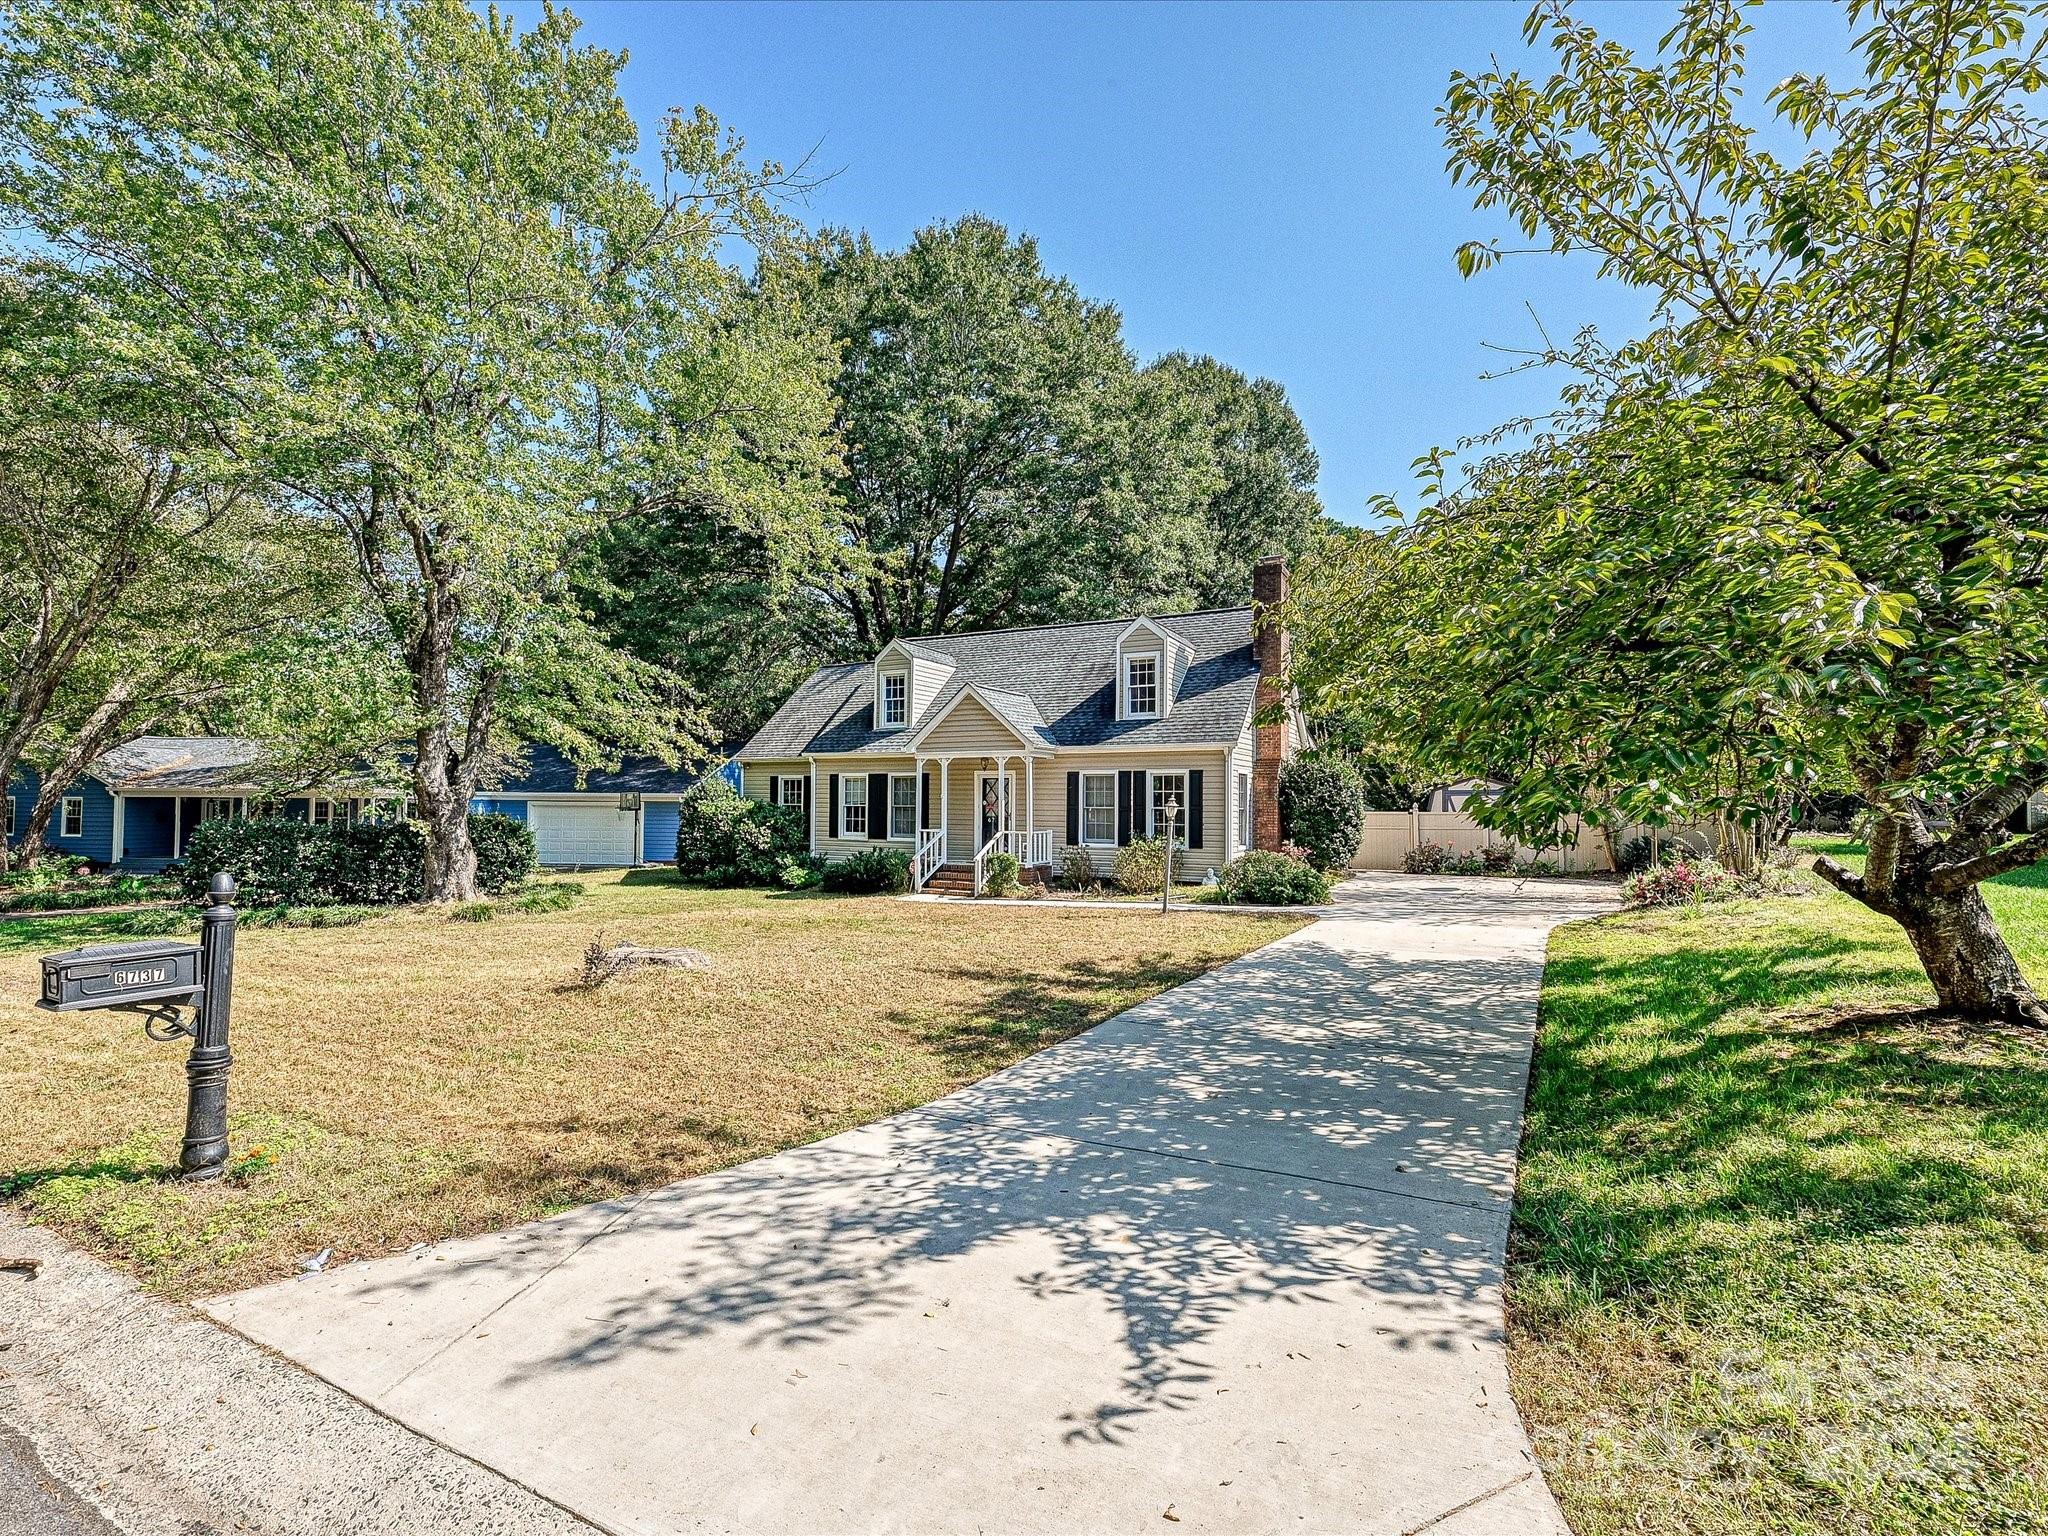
[(1390, 836)]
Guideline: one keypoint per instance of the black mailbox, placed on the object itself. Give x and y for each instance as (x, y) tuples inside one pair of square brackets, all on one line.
[(119, 975)]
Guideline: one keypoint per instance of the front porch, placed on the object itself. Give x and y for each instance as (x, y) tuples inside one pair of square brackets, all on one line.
[(954, 845), (152, 830)]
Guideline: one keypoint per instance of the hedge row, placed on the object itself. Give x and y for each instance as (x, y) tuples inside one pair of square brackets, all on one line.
[(376, 864)]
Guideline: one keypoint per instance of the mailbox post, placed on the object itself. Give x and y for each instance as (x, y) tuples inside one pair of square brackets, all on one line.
[(205, 1152), (156, 980)]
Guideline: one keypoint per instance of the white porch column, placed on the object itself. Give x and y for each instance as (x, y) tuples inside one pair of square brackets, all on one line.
[(917, 799), (177, 824), (120, 827), (945, 799), (1030, 799)]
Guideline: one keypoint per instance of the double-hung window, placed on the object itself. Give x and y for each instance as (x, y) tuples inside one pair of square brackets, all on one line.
[(73, 824), (895, 699), (1098, 809), (1173, 787), (1244, 810), (853, 805), (10, 816), (903, 807), (320, 812), (1141, 687), (790, 792)]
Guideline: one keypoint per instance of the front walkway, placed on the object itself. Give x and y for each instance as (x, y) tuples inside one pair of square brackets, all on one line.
[(1231, 1259)]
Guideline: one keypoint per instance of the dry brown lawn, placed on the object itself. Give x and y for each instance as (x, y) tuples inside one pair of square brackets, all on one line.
[(415, 1078)]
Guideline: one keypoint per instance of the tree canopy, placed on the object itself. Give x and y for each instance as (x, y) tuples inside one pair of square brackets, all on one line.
[(404, 248), (1794, 531)]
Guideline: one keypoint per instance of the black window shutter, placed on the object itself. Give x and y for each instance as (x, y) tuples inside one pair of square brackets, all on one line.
[(924, 806), (878, 807), (832, 791), (1194, 807), (1123, 807), (775, 789), (1073, 809), (1141, 804)]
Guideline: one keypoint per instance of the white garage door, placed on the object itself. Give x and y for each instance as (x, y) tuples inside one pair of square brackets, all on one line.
[(570, 833)]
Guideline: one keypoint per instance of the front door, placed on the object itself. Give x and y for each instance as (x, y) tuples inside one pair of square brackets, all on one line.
[(993, 793)]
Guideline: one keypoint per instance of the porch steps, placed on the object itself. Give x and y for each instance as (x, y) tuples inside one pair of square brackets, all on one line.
[(951, 880)]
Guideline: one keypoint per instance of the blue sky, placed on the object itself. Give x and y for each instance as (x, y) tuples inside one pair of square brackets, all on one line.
[(1264, 182)]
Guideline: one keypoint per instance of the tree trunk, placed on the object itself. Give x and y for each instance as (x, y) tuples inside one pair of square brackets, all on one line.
[(1965, 956), (35, 835), (1954, 935), (444, 807)]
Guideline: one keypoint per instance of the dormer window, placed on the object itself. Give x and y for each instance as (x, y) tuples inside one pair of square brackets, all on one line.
[(895, 699), (1141, 687)]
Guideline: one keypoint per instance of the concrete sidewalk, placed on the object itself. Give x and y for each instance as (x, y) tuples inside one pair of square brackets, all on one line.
[(1231, 1259)]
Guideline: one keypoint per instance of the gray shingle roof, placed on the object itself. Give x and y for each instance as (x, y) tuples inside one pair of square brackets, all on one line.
[(1056, 683), (181, 762)]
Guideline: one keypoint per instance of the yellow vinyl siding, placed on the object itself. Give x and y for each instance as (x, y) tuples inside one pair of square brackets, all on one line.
[(971, 728), (927, 680), (1052, 799), (833, 847)]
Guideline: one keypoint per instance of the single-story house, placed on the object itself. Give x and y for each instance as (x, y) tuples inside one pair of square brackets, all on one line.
[(1028, 741), (136, 808)]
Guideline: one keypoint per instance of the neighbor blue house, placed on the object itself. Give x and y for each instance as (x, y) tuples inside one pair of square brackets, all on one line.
[(136, 807)]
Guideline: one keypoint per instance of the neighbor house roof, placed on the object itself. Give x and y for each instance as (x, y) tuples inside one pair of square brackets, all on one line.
[(180, 762), (1054, 683), (548, 772), (234, 763)]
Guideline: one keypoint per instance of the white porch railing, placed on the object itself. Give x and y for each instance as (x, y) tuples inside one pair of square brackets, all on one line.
[(931, 853), (1029, 849)]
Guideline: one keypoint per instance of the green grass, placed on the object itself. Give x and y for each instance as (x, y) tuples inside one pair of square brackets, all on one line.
[(409, 1077), (1780, 1261)]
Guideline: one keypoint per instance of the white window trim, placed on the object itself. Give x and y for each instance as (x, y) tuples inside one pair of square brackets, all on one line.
[(783, 788), (69, 806), (1244, 811), (1098, 842), (846, 783), (1158, 708), (914, 808), (1152, 778), (882, 700), (13, 809)]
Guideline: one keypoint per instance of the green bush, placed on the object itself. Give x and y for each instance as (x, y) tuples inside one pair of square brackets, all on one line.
[(723, 838), (379, 863), (870, 871), (1322, 807), (274, 862), (1077, 870), (505, 855), (51, 869), (1264, 879), (1141, 866), (1000, 879), (800, 871)]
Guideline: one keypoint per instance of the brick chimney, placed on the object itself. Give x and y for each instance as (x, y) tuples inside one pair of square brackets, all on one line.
[(1269, 646)]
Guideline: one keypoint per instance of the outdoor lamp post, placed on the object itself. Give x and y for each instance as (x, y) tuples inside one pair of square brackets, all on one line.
[(1172, 809)]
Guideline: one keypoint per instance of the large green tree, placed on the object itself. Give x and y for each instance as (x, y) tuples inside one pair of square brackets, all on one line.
[(144, 575), (1004, 461), (1265, 502), (1798, 527), (409, 244)]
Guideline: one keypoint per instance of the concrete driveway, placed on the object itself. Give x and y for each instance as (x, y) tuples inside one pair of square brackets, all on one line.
[(1231, 1260)]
